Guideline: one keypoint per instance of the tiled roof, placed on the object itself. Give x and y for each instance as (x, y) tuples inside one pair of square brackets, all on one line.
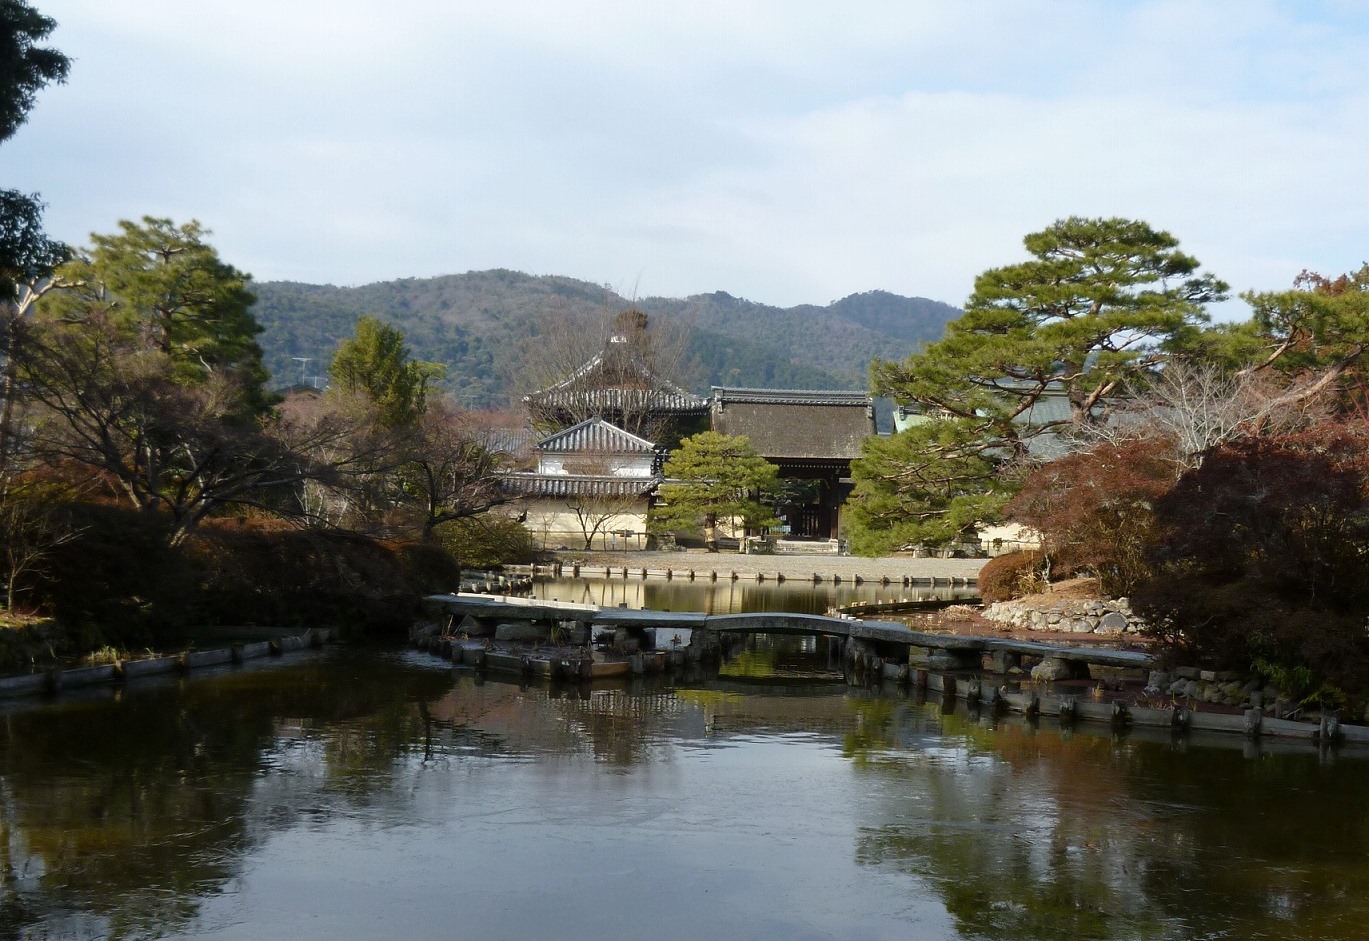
[(587, 387), (505, 440), (595, 435), (578, 485), (805, 424), (725, 395)]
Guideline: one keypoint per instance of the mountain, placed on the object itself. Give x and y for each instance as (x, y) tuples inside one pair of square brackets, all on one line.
[(475, 323)]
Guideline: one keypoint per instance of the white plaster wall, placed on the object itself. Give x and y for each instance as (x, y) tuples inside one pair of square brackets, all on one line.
[(609, 465), (553, 524)]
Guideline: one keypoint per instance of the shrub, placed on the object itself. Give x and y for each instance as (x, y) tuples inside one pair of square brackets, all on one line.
[(487, 541), (263, 572), (117, 582), (1011, 575), (1264, 559)]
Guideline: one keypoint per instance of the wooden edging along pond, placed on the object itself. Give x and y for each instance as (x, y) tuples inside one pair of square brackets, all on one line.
[(52, 681), (714, 574)]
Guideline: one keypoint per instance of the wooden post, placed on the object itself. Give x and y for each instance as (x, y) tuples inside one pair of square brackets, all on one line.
[(1121, 715), (1068, 710)]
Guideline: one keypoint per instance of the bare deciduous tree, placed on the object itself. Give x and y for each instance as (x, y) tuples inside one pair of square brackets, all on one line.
[(1199, 406), (606, 364)]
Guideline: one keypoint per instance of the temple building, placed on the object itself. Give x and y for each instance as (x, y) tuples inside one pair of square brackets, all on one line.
[(614, 418), (812, 436), (592, 488)]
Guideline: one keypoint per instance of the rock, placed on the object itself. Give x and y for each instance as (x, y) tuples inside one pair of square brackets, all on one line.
[(1159, 679), (1207, 676), (520, 631), (1051, 669), (1187, 673), (1191, 689), (1113, 623), (472, 627)]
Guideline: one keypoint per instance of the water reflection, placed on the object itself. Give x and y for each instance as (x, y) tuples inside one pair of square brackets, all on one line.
[(726, 596), (361, 793)]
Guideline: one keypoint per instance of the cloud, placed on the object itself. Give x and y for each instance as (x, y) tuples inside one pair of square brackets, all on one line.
[(784, 151)]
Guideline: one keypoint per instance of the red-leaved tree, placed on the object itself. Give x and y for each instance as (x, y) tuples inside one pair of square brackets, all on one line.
[(1263, 559), (1095, 509)]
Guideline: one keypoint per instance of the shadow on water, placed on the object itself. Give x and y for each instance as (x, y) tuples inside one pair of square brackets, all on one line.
[(172, 808)]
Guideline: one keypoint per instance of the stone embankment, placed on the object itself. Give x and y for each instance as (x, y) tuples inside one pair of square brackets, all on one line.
[(725, 566), (1112, 617)]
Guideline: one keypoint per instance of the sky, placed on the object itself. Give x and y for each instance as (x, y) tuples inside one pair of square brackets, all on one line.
[(783, 151)]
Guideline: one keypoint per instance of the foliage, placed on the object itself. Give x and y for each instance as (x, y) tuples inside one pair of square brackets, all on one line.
[(165, 446), (1098, 303), (400, 462), (1094, 509), (926, 486), (1316, 333), (375, 363), (487, 541), (1101, 302), (26, 253), (32, 527), (1264, 555), (269, 573), (160, 287), (25, 67), (1010, 576), (118, 582), (715, 479)]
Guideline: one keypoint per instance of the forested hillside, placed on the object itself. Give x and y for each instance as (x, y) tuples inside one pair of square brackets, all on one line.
[(477, 323)]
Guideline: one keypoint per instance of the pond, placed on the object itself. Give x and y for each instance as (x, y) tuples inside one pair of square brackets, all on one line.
[(361, 793)]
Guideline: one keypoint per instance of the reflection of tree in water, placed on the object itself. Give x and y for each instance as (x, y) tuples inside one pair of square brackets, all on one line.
[(1032, 834), (779, 657), (118, 814)]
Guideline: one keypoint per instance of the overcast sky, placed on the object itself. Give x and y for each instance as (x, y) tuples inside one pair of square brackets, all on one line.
[(785, 151)]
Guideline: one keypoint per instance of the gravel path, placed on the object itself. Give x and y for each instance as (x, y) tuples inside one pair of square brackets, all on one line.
[(791, 566)]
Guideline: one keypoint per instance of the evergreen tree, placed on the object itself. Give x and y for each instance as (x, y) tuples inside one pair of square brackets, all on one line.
[(718, 479), (1101, 302), (25, 68), (375, 364), (165, 289)]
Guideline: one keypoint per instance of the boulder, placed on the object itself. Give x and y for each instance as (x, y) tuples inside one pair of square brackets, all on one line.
[(1051, 669), (521, 632), (473, 627), (1113, 623)]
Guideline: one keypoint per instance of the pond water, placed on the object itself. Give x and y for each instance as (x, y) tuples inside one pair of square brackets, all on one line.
[(366, 793), (729, 597)]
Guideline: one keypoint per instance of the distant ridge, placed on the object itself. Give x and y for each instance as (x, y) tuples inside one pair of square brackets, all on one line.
[(474, 322)]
